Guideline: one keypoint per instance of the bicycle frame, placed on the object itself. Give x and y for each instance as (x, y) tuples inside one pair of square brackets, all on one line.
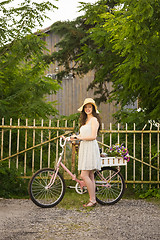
[(59, 163), (74, 178)]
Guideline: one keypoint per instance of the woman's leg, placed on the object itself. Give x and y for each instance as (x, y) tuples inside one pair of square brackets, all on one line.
[(91, 175), (88, 177)]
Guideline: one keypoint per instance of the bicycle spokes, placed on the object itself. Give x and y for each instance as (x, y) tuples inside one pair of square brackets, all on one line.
[(109, 185), (43, 191)]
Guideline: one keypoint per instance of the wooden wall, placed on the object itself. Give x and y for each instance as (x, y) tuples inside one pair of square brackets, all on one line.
[(74, 90)]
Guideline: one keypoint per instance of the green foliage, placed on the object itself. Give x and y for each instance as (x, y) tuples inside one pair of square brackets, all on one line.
[(130, 116), (23, 83), (134, 35), (22, 80), (99, 54), (69, 47), (151, 193), (10, 183), (19, 20), (146, 192)]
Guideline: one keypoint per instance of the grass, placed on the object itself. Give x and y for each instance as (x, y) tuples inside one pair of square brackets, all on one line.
[(73, 200)]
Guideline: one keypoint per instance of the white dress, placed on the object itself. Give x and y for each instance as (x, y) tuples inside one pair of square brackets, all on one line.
[(89, 154)]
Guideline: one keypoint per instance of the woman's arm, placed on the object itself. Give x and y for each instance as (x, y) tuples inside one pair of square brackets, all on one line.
[(94, 127)]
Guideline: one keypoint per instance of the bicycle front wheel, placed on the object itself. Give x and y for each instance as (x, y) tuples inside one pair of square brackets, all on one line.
[(110, 186), (41, 190)]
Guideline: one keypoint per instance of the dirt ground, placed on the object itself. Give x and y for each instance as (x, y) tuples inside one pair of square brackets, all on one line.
[(128, 219)]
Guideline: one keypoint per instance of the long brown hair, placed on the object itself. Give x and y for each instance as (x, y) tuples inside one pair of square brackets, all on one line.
[(83, 117)]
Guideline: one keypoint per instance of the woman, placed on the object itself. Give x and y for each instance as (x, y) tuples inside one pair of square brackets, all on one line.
[(89, 155)]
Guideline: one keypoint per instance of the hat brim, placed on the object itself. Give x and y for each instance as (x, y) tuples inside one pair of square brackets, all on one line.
[(81, 108)]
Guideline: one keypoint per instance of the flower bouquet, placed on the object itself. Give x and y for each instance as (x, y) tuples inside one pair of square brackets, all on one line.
[(118, 151)]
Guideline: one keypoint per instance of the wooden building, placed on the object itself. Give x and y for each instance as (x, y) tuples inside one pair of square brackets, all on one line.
[(74, 90)]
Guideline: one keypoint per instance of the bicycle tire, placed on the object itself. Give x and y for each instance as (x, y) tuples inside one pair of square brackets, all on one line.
[(113, 192), (41, 196)]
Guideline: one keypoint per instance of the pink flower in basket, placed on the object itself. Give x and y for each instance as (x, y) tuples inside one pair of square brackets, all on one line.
[(118, 151)]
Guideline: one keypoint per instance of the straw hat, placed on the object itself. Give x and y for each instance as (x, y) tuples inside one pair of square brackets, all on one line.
[(88, 100)]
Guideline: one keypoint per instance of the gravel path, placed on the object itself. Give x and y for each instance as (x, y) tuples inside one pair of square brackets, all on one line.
[(128, 219)]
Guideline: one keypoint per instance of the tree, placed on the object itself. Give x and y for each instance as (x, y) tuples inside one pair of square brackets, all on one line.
[(120, 42), (134, 34), (17, 22), (23, 83), (83, 43)]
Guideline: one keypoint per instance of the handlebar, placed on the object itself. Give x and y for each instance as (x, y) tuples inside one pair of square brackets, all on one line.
[(62, 144), (65, 140)]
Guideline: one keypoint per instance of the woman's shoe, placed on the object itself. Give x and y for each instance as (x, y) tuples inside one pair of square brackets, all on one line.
[(90, 204)]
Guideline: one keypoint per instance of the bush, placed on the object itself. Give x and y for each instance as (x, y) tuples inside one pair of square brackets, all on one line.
[(10, 183)]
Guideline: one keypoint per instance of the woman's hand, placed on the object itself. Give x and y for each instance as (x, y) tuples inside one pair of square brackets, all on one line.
[(73, 137)]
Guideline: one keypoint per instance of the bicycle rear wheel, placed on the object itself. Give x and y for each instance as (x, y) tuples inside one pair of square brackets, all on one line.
[(42, 195), (110, 186)]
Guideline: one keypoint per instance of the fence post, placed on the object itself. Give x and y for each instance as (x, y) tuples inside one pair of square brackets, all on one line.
[(118, 133), (25, 147), (142, 158), (150, 149), (110, 135), (10, 141), (2, 139), (49, 145), (41, 151), (158, 155), (33, 151), (17, 143), (126, 173), (134, 154), (57, 142), (102, 137)]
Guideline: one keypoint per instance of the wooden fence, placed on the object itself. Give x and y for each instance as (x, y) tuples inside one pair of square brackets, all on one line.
[(144, 148), (29, 146)]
